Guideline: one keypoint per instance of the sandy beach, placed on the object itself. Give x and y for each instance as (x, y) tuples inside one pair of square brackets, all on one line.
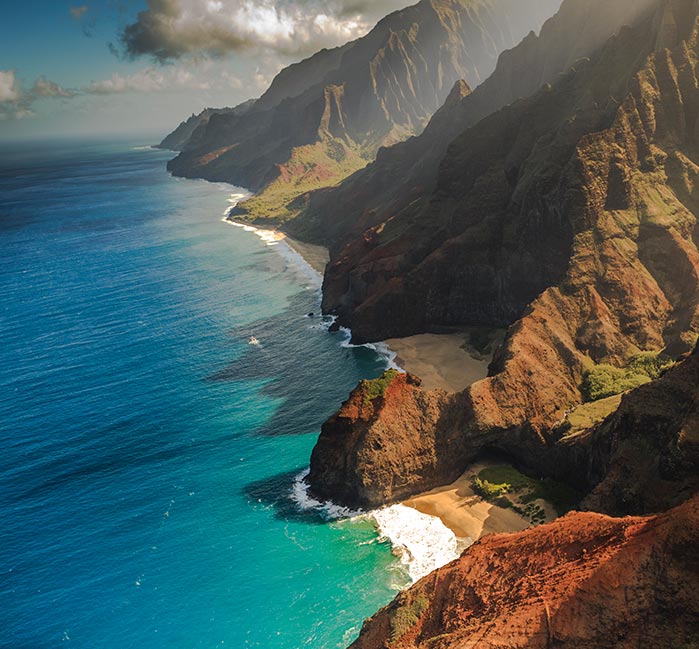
[(440, 360), (317, 257), (467, 514)]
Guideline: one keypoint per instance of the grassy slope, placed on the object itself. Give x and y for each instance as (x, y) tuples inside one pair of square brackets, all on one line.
[(310, 167)]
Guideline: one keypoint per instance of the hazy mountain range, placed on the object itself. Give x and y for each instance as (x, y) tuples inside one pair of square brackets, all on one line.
[(327, 116)]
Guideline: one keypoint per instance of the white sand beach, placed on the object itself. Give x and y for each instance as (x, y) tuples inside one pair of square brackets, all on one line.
[(467, 514), (440, 360)]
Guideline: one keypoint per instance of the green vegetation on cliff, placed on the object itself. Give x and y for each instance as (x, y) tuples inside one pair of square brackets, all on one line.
[(377, 387), (311, 167), (406, 617), (606, 380), (504, 486), (589, 414)]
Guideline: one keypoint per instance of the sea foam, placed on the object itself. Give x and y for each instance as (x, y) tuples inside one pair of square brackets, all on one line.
[(303, 499), (421, 542), (381, 349)]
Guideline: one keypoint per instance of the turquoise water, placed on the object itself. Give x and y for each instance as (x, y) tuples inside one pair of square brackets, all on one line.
[(148, 449)]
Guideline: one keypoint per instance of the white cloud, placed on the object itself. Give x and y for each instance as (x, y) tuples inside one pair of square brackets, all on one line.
[(8, 87), (169, 29), (16, 102), (44, 88), (148, 80)]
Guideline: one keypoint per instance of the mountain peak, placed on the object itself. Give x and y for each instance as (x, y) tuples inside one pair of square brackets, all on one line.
[(460, 90)]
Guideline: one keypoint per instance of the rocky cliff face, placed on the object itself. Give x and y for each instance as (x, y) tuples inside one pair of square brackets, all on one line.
[(326, 117), (403, 177), (645, 457), (180, 137), (413, 431), (571, 215), (601, 583)]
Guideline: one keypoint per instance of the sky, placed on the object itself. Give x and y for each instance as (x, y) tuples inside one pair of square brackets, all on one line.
[(112, 67)]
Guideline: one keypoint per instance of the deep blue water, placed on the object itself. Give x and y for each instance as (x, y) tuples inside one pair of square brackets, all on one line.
[(148, 450)]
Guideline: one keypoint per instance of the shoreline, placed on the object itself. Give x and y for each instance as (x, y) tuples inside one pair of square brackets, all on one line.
[(314, 256), (430, 529), (468, 515)]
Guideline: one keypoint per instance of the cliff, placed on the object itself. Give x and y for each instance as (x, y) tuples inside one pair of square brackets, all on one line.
[(569, 216), (602, 583), (402, 422), (403, 176), (326, 117), (179, 138)]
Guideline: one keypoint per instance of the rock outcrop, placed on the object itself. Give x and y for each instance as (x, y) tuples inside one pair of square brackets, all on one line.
[(326, 117), (407, 425), (585, 581), (570, 216)]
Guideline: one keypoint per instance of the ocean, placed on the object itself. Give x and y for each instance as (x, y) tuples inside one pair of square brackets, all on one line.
[(149, 478)]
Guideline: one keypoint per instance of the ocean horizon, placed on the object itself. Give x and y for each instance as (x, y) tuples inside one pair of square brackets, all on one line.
[(151, 482)]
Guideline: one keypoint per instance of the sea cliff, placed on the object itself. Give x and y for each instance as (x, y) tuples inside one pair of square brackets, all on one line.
[(557, 216), (601, 583)]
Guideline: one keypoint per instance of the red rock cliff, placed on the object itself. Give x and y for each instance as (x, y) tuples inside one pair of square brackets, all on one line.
[(585, 581)]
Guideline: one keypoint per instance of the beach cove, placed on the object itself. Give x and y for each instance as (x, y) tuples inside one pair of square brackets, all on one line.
[(431, 529)]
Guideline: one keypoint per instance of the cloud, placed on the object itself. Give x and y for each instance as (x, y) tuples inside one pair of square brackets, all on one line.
[(147, 80), (8, 86), (16, 103), (170, 29), (79, 12), (44, 88)]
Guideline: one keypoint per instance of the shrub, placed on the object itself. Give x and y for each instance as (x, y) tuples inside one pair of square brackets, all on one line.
[(493, 482), (377, 387), (407, 616), (488, 490), (651, 364), (606, 380)]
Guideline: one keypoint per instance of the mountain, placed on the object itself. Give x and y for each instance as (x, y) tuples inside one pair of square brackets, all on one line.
[(569, 217), (404, 176), (326, 117), (178, 139), (601, 583)]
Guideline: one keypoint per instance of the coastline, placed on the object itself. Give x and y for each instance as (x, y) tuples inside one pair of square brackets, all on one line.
[(317, 257), (314, 256), (467, 514), (431, 529)]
